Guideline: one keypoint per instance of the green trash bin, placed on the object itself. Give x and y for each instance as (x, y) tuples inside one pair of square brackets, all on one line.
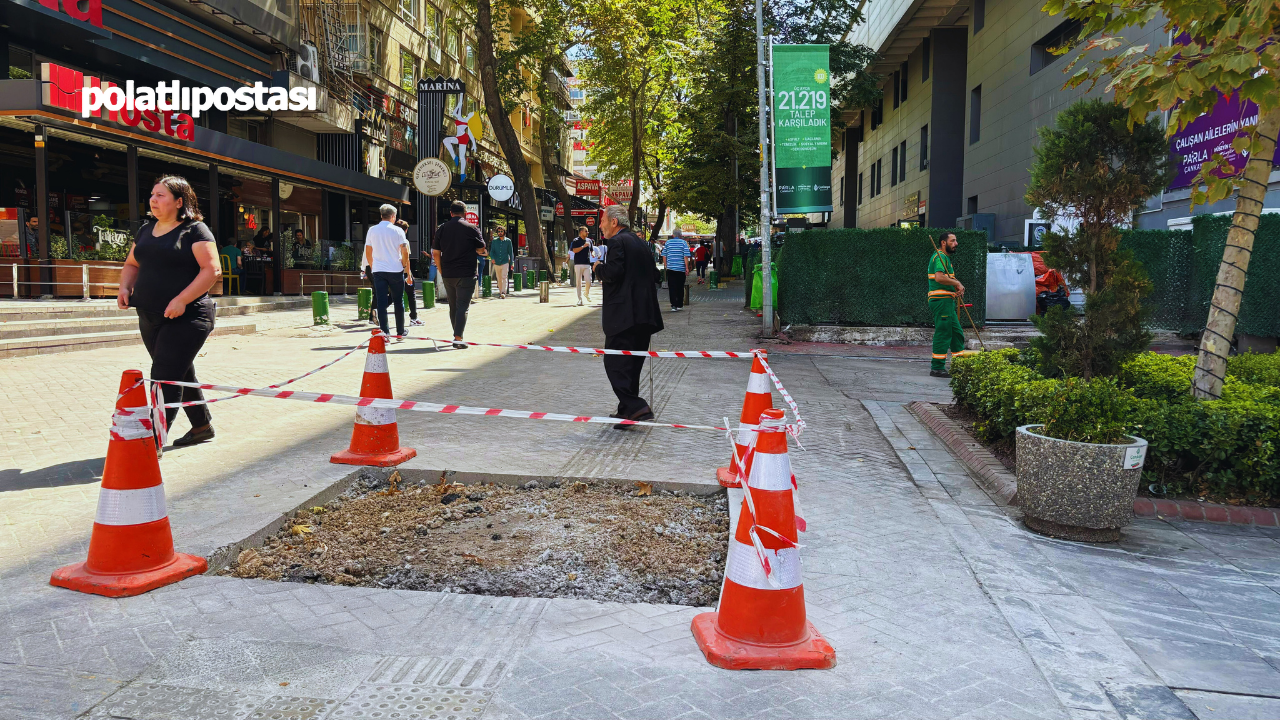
[(713, 279), (564, 273), (486, 284), (736, 270), (319, 308), (543, 275), (531, 279), (757, 282), (364, 301), (519, 281), (428, 294)]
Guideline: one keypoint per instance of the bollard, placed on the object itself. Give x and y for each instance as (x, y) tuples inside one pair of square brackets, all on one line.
[(530, 279), (428, 294), (487, 280), (544, 291), (364, 301), (543, 276), (686, 296), (14, 267), (713, 279), (319, 308), (84, 280), (518, 278)]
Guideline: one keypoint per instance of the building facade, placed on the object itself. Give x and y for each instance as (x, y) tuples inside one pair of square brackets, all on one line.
[(967, 87)]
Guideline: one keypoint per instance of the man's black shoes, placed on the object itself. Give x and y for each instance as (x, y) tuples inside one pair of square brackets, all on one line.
[(194, 437), (644, 415), (939, 373)]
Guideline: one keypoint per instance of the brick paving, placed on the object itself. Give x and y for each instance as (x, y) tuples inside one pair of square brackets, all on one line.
[(938, 603)]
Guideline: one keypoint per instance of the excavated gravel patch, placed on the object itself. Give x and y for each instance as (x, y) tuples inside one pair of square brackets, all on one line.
[(599, 541)]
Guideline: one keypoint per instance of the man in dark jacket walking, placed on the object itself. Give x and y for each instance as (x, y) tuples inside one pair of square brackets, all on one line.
[(631, 316)]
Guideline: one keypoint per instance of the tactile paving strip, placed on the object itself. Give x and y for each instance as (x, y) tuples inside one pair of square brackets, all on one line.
[(280, 707), (409, 702), (162, 702)]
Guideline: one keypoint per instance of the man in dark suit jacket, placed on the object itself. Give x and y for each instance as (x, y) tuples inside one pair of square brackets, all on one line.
[(631, 315)]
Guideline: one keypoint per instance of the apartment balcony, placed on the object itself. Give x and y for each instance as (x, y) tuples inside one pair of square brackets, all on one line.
[(328, 117)]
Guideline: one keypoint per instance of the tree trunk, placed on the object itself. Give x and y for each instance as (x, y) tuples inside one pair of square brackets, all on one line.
[(1211, 366), (637, 158), (508, 140), (659, 219), (557, 184)]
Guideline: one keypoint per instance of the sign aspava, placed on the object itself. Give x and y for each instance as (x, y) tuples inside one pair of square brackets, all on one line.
[(432, 177)]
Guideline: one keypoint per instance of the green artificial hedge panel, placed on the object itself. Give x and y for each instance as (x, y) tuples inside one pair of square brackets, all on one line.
[(1258, 311), (1166, 256), (875, 276)]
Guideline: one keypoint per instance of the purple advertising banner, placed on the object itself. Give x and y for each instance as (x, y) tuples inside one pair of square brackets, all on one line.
[(1212, 133)]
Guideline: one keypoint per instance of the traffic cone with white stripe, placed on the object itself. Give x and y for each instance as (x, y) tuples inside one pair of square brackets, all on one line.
[(375, 440), (759, 398), (760, 623), (131, 549)]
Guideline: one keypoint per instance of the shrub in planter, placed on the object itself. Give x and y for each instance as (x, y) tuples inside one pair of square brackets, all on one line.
[(1226, 448), (1256, 368)]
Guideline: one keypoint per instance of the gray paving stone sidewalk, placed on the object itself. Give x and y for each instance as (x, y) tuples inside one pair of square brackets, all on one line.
[(939, 605)]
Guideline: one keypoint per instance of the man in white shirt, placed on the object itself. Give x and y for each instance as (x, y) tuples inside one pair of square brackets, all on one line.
[(386, 253)]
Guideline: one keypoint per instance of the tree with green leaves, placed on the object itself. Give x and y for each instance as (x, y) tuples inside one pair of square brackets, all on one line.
[(716, 170), (1093, 171), (1232, 46), (631, 75)]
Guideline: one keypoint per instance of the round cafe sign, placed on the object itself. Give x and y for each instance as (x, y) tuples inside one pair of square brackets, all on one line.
[(501, 188), (432, 177)]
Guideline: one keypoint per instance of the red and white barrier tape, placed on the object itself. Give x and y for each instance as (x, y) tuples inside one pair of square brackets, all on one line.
[(392, 404), (770, 573), (795, 410), (690, 354)]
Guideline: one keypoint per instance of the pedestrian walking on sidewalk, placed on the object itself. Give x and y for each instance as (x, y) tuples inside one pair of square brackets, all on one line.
[(457, 248), (409, 290), (500, 252), (945, 294), (581, 249), (700, 257), (678, 261), (631, 314), (166, 280), (386, 253)]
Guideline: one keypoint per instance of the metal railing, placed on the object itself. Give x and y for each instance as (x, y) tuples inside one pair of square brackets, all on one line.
[(324, 282), (84, 278)]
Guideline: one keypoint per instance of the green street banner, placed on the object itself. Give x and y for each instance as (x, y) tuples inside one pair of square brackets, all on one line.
[(802, 128)]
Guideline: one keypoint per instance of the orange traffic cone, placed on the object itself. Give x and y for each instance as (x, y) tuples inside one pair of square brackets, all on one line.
[(131, 549), (375, 440), (759, 398), (761, 623)]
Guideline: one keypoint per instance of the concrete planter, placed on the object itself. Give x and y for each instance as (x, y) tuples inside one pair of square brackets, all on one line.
[(1075, 490)]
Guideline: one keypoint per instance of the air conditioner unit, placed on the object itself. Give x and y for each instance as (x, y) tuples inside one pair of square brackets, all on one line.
[(309, 63)]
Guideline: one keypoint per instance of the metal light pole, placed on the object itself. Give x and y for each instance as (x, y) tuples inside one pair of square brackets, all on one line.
[(766, 209)]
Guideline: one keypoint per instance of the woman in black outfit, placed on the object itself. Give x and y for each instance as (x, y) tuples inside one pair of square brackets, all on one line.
[(171, 266)]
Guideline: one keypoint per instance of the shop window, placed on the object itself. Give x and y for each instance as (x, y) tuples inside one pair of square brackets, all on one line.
[(20, 64)]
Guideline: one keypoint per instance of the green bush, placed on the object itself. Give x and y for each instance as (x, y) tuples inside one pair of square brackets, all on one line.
[(876, 276), (1260, 369), (1225, 447)]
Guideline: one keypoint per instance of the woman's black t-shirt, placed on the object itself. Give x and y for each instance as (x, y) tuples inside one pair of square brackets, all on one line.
[(166, 265)]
